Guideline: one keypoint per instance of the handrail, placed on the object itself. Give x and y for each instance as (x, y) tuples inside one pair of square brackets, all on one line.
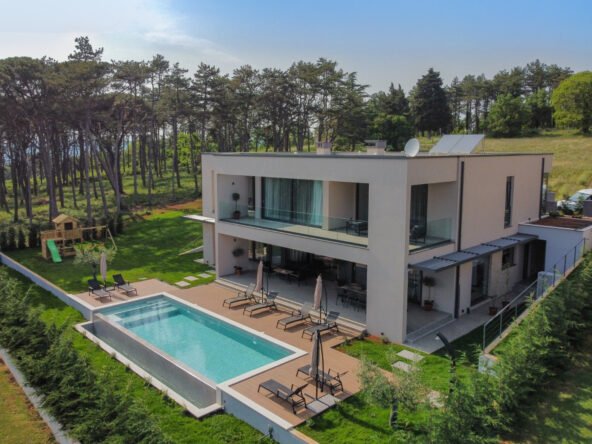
[(506, 316)]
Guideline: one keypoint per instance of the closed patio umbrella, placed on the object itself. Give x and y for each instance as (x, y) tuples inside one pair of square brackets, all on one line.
[(318, 294), (103, 267), (259, 282), (317, 363)]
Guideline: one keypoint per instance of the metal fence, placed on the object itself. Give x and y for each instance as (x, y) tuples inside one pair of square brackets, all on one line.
[(495, 327)]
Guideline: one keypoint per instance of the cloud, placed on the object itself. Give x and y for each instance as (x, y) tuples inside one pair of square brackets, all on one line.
[(127, 29)]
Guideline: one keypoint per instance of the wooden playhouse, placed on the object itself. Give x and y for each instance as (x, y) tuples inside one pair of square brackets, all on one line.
[(67, 232)]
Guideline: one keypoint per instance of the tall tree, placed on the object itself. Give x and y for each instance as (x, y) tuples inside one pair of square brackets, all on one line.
[(429, 104)]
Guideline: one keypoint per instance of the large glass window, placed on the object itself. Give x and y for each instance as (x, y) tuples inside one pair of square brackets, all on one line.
[(419, 213), (509, 196), (293, 200), (362, 201)]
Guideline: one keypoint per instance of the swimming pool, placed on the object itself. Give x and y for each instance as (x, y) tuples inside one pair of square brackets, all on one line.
[(210, 346)]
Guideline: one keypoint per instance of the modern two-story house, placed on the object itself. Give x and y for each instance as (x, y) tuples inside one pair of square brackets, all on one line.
[(375, 225)]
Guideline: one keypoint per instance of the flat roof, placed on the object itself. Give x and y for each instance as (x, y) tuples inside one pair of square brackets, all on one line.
[(363, 155), (440, 263), (574, 223)]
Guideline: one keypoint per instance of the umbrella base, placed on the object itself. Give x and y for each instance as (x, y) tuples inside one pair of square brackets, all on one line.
[(322, 404)]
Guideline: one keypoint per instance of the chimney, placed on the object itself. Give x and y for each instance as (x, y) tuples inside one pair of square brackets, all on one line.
[(375, 147), (324, 148)]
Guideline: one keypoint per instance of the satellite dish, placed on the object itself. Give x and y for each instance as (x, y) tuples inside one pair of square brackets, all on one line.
[(412, 148)]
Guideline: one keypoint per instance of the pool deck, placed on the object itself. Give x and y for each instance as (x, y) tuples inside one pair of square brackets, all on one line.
[(210, 297)]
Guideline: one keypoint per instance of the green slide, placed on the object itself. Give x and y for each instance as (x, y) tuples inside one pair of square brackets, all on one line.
[(53, 249)]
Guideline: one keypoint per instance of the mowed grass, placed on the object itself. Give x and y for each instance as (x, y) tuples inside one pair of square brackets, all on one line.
[(19, 422), (178, 426), (148, 248)]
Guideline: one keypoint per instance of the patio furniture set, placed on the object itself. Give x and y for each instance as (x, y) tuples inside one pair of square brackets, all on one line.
[(99, 291), (293, 395), (351, 294)]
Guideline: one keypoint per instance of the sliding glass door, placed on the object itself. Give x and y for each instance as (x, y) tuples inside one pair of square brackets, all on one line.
[(293, 200)]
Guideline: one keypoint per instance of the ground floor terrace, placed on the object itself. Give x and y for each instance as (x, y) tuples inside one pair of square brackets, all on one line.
[(211, 297)]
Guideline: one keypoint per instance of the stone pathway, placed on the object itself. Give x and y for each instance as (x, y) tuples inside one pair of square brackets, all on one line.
[(190, 278), (410, 355), (204, 275), (403, 366), (182, 284)]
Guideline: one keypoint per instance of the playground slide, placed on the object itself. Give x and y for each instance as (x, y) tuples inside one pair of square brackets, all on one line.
[(53, 249)]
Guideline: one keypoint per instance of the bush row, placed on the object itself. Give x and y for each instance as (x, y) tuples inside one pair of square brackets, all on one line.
[(20, 236), (487, 406), (82, 400)]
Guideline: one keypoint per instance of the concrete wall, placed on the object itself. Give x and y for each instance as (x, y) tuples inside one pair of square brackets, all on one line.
[(484, 195), (341, 203), (560, 243), (209, 243), (225, 260), (502, 281), (68, 299)]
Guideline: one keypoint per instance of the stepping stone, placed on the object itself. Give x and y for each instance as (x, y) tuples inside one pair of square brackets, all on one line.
[(322, 404), (406, 354), (403, 366), (435, 400), (204, 275), (190, 278), (212, 272), (199, 261), (182, 284)]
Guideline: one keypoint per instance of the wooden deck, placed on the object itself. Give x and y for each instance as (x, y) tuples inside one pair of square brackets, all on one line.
[(210, 297)]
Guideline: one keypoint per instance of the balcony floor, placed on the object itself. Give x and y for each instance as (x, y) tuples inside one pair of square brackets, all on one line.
[(338, 235)]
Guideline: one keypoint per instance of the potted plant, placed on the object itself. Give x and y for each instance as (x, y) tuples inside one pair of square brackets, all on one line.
[(238, 252), (428, 281), (236, 213)]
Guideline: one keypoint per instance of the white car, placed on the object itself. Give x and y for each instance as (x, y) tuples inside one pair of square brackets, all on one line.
[(574, 203)]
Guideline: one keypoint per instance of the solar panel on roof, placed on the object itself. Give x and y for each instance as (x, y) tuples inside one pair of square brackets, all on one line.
[(457, 144)]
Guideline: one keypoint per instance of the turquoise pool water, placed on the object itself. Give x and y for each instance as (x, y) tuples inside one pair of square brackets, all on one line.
[(214, 348)]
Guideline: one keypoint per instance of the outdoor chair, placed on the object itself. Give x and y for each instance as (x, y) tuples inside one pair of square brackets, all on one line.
[(241, 297), (124, 286), (302, 315), (332, 381), (292, 395), (267, 304), (97, 290), (330, 323)]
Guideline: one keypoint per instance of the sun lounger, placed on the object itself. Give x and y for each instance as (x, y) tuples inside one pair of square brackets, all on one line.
[(97, 290), (241, 297), (330, 323), (122, 285), (292, 395), (332, 381), (267, 304), (296, 317)]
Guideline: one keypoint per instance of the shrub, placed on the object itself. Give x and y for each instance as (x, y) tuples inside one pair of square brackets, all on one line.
[(119, 223), (11, 239), (21, 242), (3, 241), (34, 240)]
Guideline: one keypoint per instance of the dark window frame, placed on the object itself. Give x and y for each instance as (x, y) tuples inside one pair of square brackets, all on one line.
[(509, 201)]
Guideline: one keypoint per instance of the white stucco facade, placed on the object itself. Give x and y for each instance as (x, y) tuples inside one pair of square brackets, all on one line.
[(465, 207)]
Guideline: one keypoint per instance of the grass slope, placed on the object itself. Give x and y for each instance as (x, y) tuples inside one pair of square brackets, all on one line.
[(147, 249), (19, 422), (562, 412), (175, 423)]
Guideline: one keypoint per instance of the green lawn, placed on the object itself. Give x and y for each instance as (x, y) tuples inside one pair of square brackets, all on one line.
[(19, 422), (175, 423), (148, 248)]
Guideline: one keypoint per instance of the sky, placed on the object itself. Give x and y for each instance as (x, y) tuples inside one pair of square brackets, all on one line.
[(383, 41)]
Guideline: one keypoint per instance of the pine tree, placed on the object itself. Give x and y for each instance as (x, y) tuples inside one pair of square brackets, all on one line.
[(429, 104)]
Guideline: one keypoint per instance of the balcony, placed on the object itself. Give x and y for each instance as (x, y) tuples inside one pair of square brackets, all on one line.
[(430, 234), (348, 231)]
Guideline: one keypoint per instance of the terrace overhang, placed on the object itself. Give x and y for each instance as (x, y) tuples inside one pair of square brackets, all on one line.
[(441, 263)]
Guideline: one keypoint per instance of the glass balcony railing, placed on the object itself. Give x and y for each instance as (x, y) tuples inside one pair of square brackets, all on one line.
[(426, 235), (338, 229)]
